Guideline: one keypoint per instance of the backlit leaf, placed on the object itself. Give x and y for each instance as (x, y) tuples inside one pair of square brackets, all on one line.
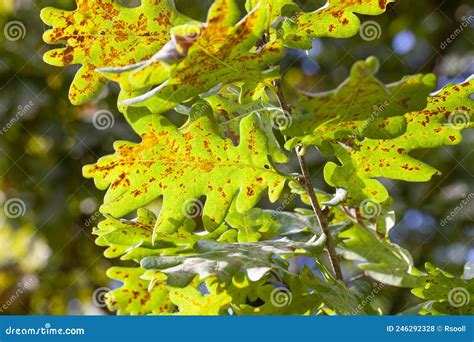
[(358, 107), (225, 52), (447, 295), (274, 7), (378, 257), (101, 33), (184, 164), (335, 295), (440, 124), (336, 19), (133, 240), (134, 297), (190, 301)]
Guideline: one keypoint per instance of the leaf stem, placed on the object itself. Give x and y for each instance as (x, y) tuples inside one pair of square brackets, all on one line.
[(320, 216), (308, 185)]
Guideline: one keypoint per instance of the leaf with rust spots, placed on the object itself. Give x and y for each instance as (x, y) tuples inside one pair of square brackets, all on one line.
[(228, 112), (337, 19), (133, 240), (101, 33), (445, 294), (440, 124), (225, 260), (190, 301), (358, 107), (134, 297), (225, 52), (181, 165), (265, 293), (275, 8)]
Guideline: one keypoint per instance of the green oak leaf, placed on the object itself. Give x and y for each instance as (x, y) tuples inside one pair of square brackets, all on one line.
[(134, 297), (101, 33), (190, 301), (381, 260), (358, 107), (181, 165), (337, 19), (133, 240), (228, 112), (335, 295), (225, 52), (257, 224), (250, 225), (225, 260), (446, 294), (440, 124), (240, 289), (280, 299), (244, 291), (274, 7)]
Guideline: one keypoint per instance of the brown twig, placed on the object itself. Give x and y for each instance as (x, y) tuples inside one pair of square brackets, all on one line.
[(308, 185), (320, 216)]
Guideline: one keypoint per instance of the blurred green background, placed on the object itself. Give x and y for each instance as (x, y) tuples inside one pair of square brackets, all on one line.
[(49, 263)]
